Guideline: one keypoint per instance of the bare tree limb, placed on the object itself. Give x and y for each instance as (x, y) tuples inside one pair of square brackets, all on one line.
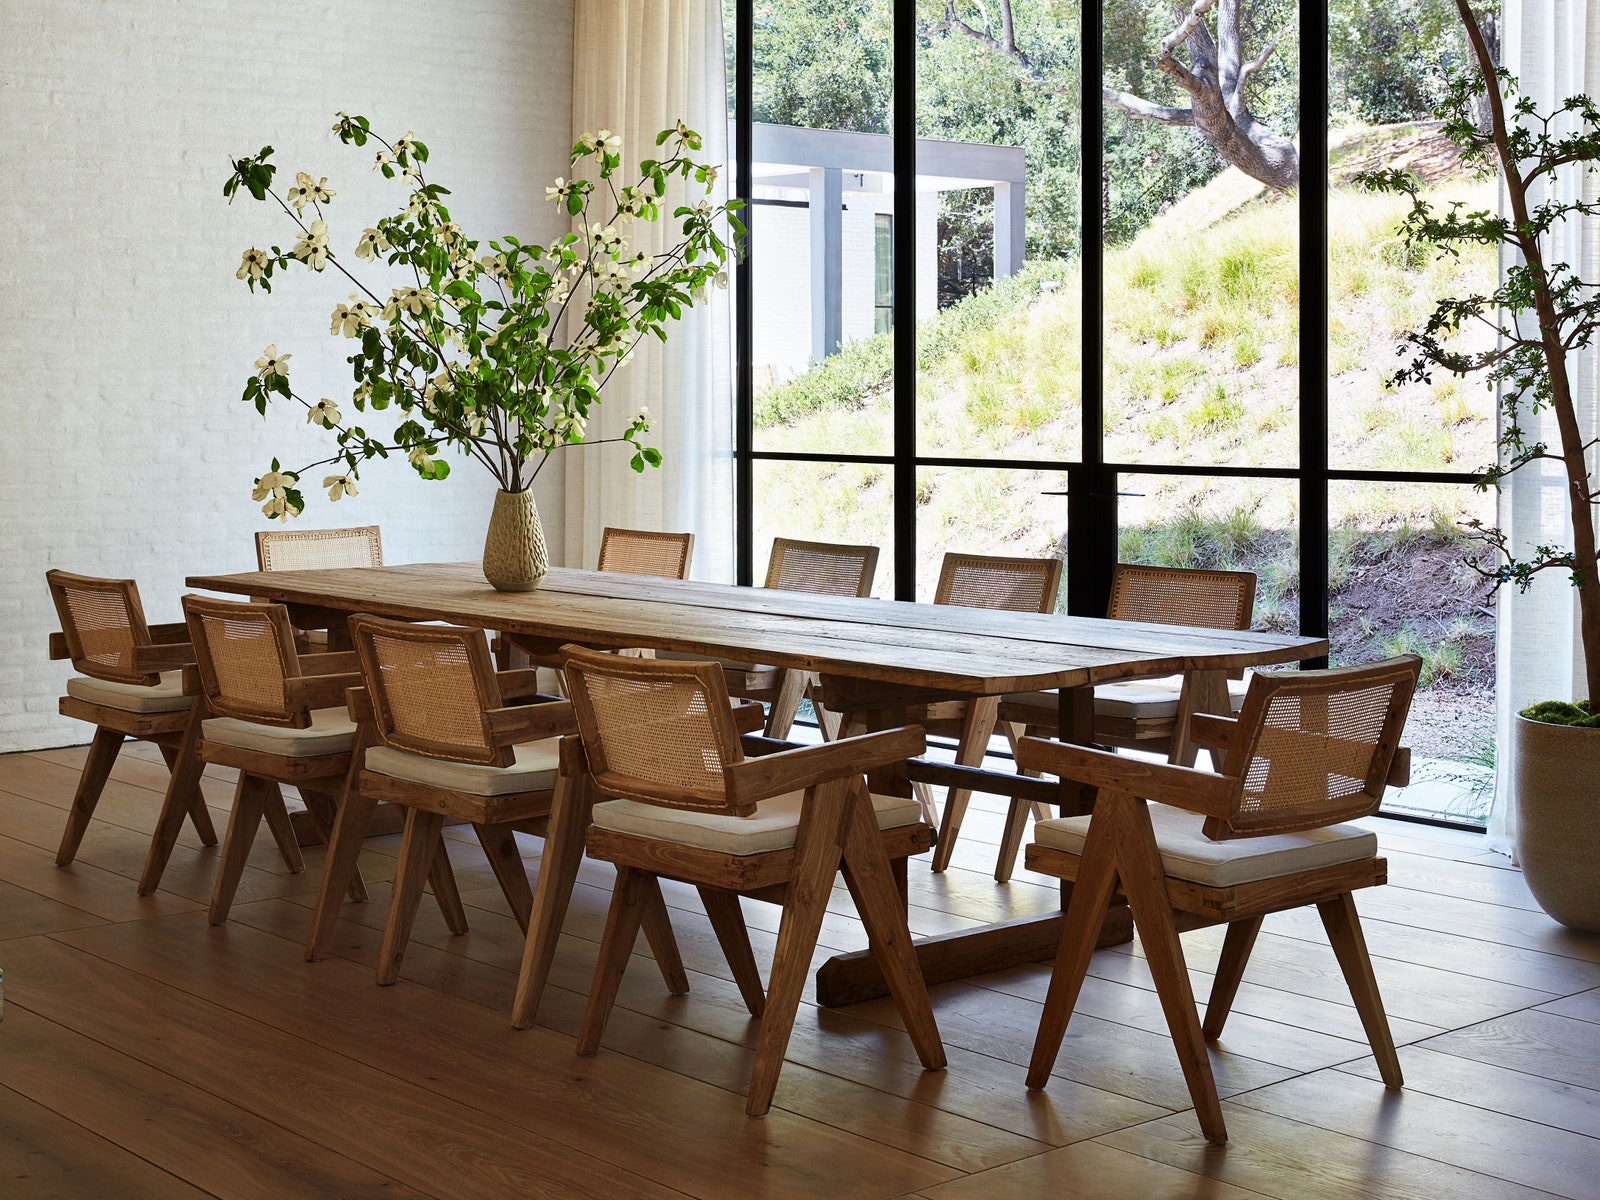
[(1185, 27), (1259, 61), (1139, 107)]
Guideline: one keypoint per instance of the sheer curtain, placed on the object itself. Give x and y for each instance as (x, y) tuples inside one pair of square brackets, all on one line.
[(1553, 48), (640, 66)]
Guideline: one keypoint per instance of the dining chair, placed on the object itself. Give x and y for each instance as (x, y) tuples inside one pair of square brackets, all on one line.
[(129, 684), (1309, 751), (645, 552), (450, 741), (277, 717), (319, 550), (1142, 714), (979, 581), (818, 568), (660, 738)]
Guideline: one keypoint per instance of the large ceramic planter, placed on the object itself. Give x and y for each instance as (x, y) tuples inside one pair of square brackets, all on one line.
[(1557, 773), (514, 558)]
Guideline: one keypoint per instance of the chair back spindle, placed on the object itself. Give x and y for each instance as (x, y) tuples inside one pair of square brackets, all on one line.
[(101, 621), (319, 549), (999, 582), (245, 654), (655, 730), (1316, 746), (821, 568), (430, 686), (645, 552)]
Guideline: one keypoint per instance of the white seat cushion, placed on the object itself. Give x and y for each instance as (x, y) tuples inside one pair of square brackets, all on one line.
[(771, 827), (166, 696), (534, 771), (331, 732), (1143, 699), (1187, 853)]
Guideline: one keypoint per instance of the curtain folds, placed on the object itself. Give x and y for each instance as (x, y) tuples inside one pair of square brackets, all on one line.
[(640, 66), (1553, 48)]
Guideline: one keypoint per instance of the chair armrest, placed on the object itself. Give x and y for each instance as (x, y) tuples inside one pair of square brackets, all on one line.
[(169, 633), (58, 646), (748, 718), (1399, 768), (359, 703), (148, 660), (791, 770), (1182, 787), (516, 683), (319, 691), (1211, 731), (331, 662), (530, 722)]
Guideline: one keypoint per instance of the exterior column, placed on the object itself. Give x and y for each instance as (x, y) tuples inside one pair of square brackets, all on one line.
[(1010, 229), (827, 260)]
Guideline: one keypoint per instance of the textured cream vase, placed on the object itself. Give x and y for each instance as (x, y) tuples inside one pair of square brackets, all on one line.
[(514, 558), (1557, 770)]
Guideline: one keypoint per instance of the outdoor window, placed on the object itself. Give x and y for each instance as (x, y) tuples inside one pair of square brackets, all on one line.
[(1121, 339)]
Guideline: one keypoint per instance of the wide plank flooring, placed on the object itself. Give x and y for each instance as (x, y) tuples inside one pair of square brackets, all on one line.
[(144, 1053)]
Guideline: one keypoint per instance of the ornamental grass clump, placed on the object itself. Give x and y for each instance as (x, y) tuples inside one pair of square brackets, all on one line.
[(498, 356)]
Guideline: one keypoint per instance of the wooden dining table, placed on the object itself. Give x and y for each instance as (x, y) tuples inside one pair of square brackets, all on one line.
[(876, 660)]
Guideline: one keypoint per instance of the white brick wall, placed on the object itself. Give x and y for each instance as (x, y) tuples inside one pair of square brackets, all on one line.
[(125, 339)]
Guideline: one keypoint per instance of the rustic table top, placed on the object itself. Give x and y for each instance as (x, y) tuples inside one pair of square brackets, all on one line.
[(976, 651)]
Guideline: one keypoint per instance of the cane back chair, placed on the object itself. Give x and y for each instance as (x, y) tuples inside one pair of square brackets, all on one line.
[(979, 581), (1143, 714), (821, 569), (129, 684), (1309, 750), (447, 742), (319, 550), (661, 738), (276, 716)]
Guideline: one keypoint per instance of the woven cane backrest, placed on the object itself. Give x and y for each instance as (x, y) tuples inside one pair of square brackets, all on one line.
[(245, 653), (102, 621), (990, 581), (821, 568), (1313, 748), (430, 687), (643, 552), (1182, 596), (319, 549), (655, 730)]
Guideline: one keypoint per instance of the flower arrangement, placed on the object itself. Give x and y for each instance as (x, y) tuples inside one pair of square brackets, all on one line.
[(499, 356)]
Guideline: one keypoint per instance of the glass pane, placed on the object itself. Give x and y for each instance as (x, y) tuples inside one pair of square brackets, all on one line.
[(822, 188), (1201, 270), (825, 502), (1401, 581), (998, 305), (988, 510), (1223, 524), (1389, 69)]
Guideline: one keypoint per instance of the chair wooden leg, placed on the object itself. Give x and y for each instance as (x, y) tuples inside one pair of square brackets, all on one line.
[(442, 882), (558, 869), (97, 766), (786, 704), (199, 814), (616, 945), (1202, 692), (324, 809), (1011, 840), (500, 845), (183, 782), (1145, 882), (248, 800), (1236, 946), (1350, 947), (663, 942), (828, 721), (350, 823), (977, 726), (727, 921), (871, 882), (817, 848), (417, 856), (1091, 892), (277, 815), (924, 798)]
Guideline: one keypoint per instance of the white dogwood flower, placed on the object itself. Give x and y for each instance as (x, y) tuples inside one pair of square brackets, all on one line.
[(324, 412), (253, 263), (371, 244), (272, 363), (339, 485), (312, 248)]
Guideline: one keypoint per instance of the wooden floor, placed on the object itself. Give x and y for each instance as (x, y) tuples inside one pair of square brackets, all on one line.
[(143, 1053)]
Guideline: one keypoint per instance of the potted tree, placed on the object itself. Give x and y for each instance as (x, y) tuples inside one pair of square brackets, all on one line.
[(1543, 315), (501, 356)]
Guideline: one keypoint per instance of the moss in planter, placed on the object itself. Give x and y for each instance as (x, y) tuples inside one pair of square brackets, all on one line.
[(1558, 712)]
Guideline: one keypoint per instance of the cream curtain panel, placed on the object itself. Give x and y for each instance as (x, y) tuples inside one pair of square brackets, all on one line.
[(640, 66), (1553, 48)]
